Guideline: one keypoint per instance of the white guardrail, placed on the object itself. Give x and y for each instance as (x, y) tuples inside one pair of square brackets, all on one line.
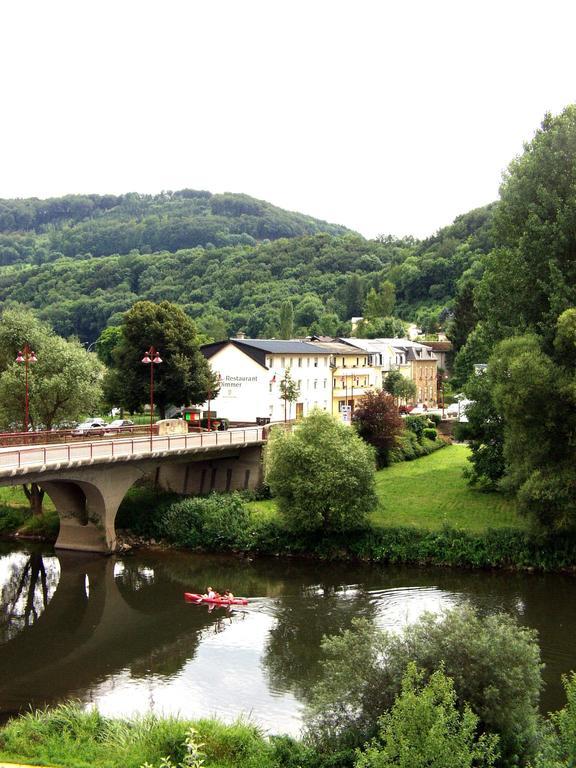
[(18, 457)]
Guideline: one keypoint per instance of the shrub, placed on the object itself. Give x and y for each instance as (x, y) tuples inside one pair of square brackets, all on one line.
[(417, 425), (429, 434), (218, 521), (11, 519), (558, 747), (322, 475), (425, 728), (495, 665)]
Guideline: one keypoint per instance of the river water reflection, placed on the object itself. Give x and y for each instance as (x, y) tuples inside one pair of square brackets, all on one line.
[(116, 631)]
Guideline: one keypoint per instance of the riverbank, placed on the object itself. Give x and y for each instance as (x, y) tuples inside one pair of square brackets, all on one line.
[(427, 515)]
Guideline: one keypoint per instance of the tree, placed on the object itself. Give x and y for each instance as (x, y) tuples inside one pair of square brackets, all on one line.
[(64, 384), (380, 303), (289, 391), (107, 343), (493, 661), (354, 297), (399, 386), (380, 328), (184, 376), (531, 278), (286, 320), (424, 729), (378, 423), (322, 475)]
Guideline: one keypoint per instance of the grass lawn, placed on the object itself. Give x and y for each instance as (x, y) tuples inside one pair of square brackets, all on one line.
[(430, 492)]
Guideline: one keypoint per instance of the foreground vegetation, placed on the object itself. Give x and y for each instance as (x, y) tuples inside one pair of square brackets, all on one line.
[(452, 690)]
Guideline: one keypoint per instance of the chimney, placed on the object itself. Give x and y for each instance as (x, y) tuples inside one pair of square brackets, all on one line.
[(240, 335)]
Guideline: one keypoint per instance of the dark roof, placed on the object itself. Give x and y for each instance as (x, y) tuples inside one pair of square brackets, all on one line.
[(440, 346), (257, 349), (280, 346)]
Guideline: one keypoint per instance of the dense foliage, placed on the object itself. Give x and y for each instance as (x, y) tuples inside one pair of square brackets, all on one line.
[(494, 663), (377, 421), (322, 475), (424, 729), (184, 376), (229, 260), (523, 323)]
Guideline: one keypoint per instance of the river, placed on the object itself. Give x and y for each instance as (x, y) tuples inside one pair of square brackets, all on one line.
[(116, 632)]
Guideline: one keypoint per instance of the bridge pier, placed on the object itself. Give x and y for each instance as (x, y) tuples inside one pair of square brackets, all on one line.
[(87, 506)]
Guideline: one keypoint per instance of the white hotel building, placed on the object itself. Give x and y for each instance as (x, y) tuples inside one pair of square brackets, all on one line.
[(250, 372)]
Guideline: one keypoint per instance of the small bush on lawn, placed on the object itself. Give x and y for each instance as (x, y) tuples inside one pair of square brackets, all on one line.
[(218, 521), (429, 433), (417, 425), (410, 447)]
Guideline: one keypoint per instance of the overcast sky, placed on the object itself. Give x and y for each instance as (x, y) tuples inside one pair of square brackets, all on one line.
[(388, 117)]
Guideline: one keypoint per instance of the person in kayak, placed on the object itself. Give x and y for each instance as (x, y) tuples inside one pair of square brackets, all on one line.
[(210, 594), (228, 595)]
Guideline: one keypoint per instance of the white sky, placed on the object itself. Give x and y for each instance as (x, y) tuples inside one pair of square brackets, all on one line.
[(388, 117)]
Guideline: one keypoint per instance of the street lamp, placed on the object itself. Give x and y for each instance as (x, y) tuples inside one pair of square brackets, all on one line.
[(218, 380), (26, 356), (151, 358)]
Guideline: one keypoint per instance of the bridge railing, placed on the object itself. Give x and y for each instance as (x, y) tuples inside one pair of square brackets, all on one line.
[(62, 453)]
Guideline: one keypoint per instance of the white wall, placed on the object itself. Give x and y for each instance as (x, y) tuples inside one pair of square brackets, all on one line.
[(249, 390)]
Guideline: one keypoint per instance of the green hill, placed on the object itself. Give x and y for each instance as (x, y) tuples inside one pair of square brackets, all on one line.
[(229, 259)]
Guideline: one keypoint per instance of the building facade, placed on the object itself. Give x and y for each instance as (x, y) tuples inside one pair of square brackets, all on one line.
[(250, 372)]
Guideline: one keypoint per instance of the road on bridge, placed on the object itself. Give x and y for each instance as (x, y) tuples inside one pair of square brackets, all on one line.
[(17, 457)]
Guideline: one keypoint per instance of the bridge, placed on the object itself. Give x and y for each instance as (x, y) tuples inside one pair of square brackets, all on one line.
[(88, 479)]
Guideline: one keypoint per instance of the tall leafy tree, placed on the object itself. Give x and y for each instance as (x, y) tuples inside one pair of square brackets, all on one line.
[(286, 320), (322, 475), (64, 384), (184, 376)]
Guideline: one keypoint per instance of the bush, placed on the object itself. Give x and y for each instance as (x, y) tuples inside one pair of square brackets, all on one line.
[(322, 475), (11, 519), (429, 434), (495, 665), (218, 521), (409, 447), (558, 747), (417, 425), (425, 728)]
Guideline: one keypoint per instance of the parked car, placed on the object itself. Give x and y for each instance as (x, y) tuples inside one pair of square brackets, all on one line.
[(94, 427), (405, 409), (120, 424)]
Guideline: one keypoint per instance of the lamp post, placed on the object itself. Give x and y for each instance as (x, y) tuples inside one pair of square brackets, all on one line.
[(209, 399), (440, 379), (26, 356), (151, 358)]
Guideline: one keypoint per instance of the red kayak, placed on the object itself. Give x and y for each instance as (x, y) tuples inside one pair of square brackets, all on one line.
[(190, 597)]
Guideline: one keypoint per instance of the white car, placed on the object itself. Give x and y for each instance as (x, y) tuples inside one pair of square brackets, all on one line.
[(91, 427)]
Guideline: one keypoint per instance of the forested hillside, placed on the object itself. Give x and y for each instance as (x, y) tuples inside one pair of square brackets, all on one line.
[(228, 259)]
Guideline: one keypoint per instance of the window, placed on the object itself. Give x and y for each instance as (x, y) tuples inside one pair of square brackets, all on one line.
[(282, 362), (325, 383), (299, 362), (315, 383), (307, 362), (269, 362), (335, 385), (315, 362), (357, 362)]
